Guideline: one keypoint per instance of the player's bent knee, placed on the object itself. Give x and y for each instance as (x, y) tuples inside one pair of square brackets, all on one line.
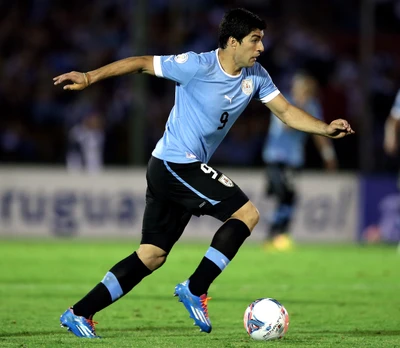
[(152, 256), (249, 214)]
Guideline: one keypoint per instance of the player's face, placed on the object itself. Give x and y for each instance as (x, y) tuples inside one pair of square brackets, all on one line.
[(250, 48)]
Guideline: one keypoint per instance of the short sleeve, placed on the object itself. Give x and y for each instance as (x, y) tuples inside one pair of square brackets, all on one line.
[(180, 68), (267, 89)]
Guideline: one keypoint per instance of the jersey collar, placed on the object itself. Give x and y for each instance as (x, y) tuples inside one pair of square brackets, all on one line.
[(220, 66)]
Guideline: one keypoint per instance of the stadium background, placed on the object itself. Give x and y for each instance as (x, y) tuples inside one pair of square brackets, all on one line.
[(338, 293), (349, 45)]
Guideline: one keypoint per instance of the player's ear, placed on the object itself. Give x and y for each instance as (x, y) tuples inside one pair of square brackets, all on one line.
[(232, 42)]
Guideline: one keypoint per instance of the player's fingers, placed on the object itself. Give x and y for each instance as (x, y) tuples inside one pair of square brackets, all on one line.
[(337, 124), (57, 77), (57, 80), (341, 124), (71, 76), (349, 130), (72, 87), (60, 79), (347, 126)]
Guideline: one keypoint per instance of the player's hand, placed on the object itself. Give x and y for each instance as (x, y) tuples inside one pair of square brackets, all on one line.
[(79, 80), (338, 129)]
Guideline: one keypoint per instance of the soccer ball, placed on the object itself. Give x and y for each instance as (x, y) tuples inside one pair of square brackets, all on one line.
[(266, 319)]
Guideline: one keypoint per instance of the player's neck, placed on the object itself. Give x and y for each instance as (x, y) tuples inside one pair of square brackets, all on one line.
[(228, 63)]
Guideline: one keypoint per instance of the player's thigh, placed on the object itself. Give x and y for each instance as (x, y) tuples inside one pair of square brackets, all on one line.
[(204, 190), (164, 220)]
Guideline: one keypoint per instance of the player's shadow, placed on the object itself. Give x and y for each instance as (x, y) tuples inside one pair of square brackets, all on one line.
[(172, 331), (29, 334)]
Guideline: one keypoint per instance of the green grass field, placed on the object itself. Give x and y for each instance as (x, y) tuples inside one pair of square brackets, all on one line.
[(347, 296)]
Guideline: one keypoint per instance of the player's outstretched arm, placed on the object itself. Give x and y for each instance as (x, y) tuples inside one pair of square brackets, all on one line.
[(303, 121), (81, 80)]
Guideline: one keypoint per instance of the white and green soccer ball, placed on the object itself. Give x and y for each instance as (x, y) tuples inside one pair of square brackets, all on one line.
[(266, 319)]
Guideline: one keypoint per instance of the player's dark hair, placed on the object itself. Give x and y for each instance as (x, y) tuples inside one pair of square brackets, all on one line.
[(238, 23)]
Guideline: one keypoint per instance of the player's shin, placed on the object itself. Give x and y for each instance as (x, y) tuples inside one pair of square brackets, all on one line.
[(116, 283), (224, 246)]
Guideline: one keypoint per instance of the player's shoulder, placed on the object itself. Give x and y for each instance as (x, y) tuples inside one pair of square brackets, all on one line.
[(207, 59), (203, 59), (257, 70)]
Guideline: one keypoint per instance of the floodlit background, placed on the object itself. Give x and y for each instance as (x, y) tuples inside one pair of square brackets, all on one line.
[(350, 46), (338, 289)]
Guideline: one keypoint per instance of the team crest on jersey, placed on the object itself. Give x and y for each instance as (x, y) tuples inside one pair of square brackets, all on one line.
[(223, 179), (181, 58), (247, 86)]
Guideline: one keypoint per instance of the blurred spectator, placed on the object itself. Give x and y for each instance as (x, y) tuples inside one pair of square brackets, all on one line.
[(392, 128), (58, 36), (284, 156), (15, 144), (86, 145), (392, 132)]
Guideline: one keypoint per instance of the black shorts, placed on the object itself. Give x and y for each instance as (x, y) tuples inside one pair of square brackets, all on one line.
[(175, 192)]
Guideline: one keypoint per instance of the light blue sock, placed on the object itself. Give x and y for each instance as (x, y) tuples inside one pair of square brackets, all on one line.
[(217, 257), (112, 284)]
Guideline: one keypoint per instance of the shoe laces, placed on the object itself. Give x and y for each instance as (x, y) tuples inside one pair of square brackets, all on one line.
[(204, 300), (92, 324)]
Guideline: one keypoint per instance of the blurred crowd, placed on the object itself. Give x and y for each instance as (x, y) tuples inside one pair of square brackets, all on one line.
[(40, 39)]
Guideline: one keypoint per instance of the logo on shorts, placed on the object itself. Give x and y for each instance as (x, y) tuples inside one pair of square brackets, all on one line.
[(181, 58), (247, 86), (223, 179)]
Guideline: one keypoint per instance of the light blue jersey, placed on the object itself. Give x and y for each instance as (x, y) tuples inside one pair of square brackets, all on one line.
[(208, 101), (395, 112), (284, 144)]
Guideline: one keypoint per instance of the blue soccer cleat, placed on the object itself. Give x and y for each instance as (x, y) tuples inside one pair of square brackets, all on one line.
[(79, 326), (195, 305)]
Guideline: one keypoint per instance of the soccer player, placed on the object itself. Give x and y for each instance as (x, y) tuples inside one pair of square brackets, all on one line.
[(283, 154), (392, 129), (212, 89), (86, 145), (391, 135)]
